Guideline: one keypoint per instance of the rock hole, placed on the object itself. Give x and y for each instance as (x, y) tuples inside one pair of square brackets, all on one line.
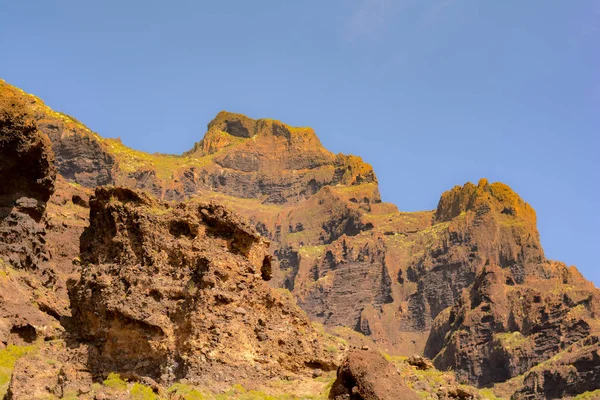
[(508, 211), (79, 201), (156, 295), (235, 128), (487, 318), (126, 284), (23, 334), (265, 269), (180, 228)]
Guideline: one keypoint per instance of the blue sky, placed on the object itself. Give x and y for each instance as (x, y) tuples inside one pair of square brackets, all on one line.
[(431, 93)]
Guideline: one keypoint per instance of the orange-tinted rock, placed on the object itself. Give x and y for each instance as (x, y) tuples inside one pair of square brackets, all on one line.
[(174, 291), (401, 278), (574, 371), (28, 175), (29, 308), (367, 375), (498, 331)]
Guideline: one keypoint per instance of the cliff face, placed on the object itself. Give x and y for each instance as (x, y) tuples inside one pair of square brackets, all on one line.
[(465, 284), (29, 304), (179, 291)]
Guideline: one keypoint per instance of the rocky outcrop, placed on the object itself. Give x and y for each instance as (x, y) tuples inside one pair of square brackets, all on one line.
[(478, 225), (28, 175), (272, 161), (497, 331), (574, 371), (179, 291), (28, 306), (367, 375)]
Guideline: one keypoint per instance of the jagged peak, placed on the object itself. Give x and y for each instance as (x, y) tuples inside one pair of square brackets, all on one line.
[(228, 128), (495, 196), (241, 125)]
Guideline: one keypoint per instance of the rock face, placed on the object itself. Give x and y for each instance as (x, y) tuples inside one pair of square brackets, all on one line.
[(367, 375), (271, 161), (467, 284), (575, 371), (179, 291), (520, 309), (498, 331), (27, 280), (28, 175)]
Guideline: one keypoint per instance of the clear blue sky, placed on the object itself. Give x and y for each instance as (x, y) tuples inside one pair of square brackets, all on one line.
[(431, 93)]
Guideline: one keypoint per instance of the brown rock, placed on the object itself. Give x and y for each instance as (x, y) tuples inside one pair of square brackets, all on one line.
[(367, 375), (420, 362), (28, 306), (496, 332), (144, 301), (28, 175), (574, 371), (467, 282)]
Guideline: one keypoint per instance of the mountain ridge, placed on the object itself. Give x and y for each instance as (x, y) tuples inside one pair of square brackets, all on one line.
[(411, 282)]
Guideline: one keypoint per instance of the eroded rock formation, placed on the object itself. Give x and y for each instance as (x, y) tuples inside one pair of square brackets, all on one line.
[(27, 280), (467, 284), (174, 291)]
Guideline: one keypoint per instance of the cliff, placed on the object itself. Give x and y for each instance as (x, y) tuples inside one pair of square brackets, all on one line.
[(466, 284)]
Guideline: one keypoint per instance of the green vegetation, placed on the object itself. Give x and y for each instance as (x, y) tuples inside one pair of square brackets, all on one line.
[(511, 340), (332, 349), (142, 392), (114, 381), (137, 391), (70, 396), (8, 359), (186, 392), (488, 394), (237, 392), (287, 294), (165, 165), (588, 395), (311, 251)]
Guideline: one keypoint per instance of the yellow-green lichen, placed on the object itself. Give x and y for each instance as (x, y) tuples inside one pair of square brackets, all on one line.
[(8, 359)]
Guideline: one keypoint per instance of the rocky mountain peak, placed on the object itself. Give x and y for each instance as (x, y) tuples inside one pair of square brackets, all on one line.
[(483, 197), (227, 128)]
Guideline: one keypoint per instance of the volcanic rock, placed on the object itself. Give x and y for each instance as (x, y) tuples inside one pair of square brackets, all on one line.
[(28, 305), (173, 291), (466, 284), (574, 371), (498, 331), (367, 375)]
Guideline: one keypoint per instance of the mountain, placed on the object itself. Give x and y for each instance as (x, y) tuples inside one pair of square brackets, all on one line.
[(467, 284)]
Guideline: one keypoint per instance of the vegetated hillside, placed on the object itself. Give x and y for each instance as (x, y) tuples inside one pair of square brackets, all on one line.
[(466, 284)]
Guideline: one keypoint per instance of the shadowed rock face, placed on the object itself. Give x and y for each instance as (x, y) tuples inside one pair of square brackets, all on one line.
[(498, 331), (28, 306), (575, 371), (28, 175), (179, 291)]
